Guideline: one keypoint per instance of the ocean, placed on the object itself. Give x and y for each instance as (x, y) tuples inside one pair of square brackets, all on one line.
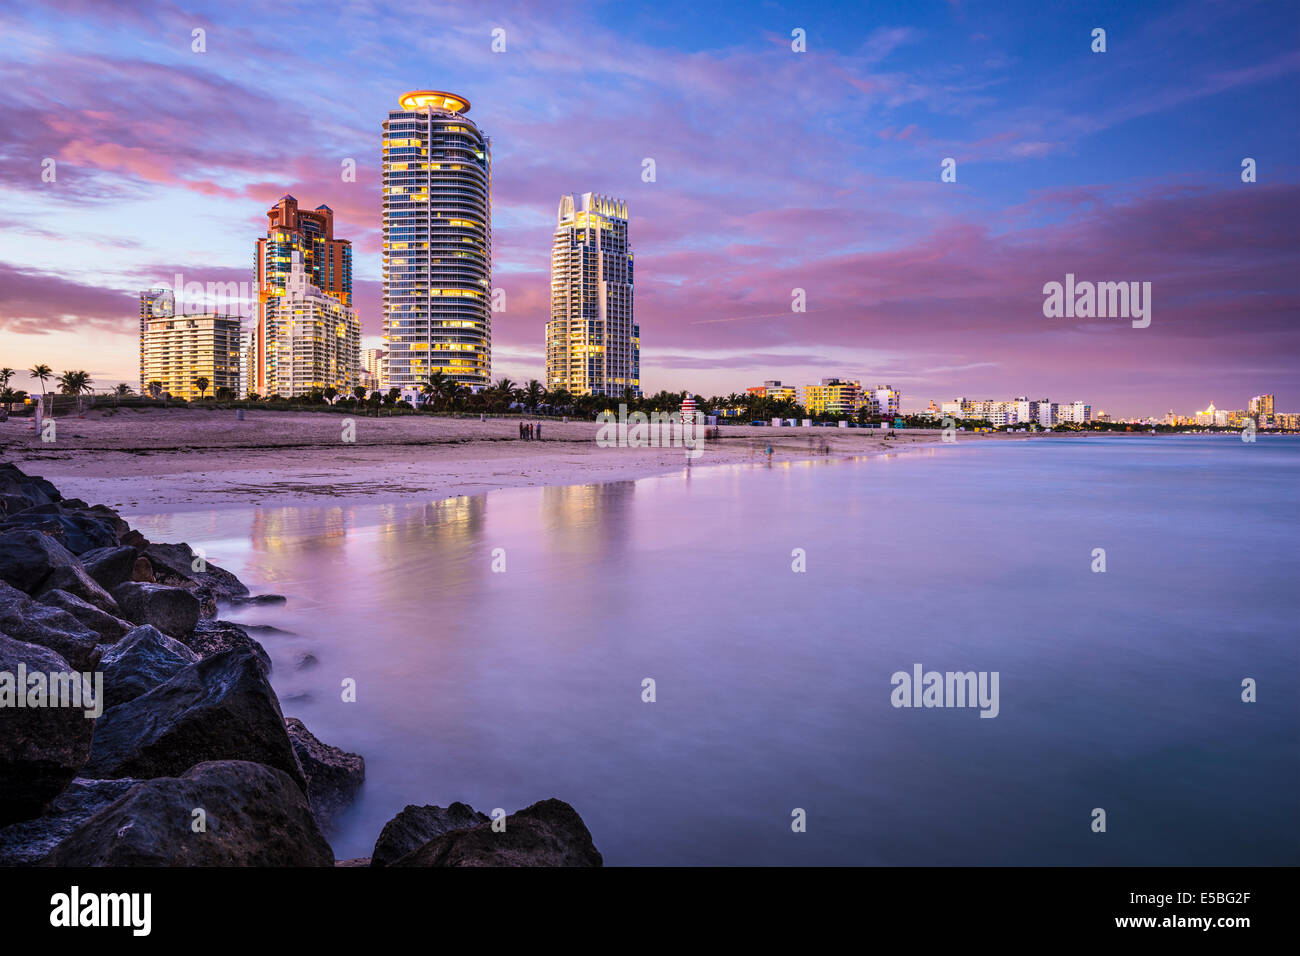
[(500, 646)]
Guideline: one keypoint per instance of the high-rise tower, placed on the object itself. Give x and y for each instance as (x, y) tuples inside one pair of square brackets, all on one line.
[(326, 263), (593, 346), (437, 257)]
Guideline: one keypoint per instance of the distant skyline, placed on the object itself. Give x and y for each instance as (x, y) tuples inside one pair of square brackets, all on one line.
[(774, 171)]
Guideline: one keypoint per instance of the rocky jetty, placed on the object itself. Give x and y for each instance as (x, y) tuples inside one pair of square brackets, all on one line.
[(137, 729)]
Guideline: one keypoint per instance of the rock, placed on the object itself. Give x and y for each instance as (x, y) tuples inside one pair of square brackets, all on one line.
[(27, 558), (74, 580), (213, 637), (257, 599), (416, 826), (25, 619), (176, 564), (78, 531), (254, 816), (26, 843), (111, 566), (135, 539), (222, 708), (306, 662), (41, 748), (549, 833), (172, 610), (333, 775), (139, 662), (142, 570), (109, 627), (34, 490)]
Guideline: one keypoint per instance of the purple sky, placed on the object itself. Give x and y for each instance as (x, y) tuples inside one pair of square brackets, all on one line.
[(775, 170)]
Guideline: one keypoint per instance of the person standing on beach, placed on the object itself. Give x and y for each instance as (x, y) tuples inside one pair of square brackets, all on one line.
[(539, 431), (521, 428)]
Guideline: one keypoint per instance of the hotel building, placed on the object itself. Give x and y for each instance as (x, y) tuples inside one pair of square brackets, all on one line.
[(180, 349), (885, 401), (833, 396), (317, 339), (437, 243), (327, 263), (774, 390), (593, 344), (154, 304)]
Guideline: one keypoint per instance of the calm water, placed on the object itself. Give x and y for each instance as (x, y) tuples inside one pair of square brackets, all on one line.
[(1118, 690)]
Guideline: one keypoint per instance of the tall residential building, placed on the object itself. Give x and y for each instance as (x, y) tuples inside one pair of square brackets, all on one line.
[(154, 304), (1261, 409), (181, 349), (833, 396), (375, 363), (437, 252), (317, 339), (593, 344), (326, 261)]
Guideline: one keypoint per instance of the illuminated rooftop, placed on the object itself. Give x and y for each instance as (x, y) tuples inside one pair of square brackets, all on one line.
[(419, 99)]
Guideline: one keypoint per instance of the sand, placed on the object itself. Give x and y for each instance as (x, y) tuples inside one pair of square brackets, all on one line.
[(158, 460)]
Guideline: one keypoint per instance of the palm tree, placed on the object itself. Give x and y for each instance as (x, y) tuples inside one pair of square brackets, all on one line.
[(202, 383), (435, 389), (41, 373), (359, 393), (74, 382), (534, 392), (5, 375), (155, 389), (329, 393), (123, 390)]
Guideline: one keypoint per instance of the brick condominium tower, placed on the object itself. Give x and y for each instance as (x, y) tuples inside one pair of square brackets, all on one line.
[(326, 262)]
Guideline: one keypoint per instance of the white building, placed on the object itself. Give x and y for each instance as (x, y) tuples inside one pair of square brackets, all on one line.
[(317, 338), (593, 344)]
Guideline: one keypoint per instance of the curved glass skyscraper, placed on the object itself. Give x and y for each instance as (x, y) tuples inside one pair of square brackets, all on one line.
[(437, 176)]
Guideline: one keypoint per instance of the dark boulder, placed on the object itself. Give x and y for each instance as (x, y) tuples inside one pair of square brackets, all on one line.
[(179, 566), (41, 748), (26, 619), (26, 843), (109, 627), (333, 775), (34, 490), (172, 610), (111, 566), (549, 833), (139, 662), (74, 580), (222, 708), (213, 637), (27, 558), (416, 826), (78, 531), (252, 815)]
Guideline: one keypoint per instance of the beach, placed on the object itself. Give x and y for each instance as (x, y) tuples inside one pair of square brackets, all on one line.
[(180, 459)]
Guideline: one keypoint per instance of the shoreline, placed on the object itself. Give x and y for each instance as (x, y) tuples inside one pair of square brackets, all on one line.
[(182, 460)]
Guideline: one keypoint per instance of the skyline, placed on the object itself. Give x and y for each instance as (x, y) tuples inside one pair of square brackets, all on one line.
[(1122, 166)]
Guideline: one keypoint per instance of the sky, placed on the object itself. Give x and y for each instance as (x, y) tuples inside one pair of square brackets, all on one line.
[(775, 170)]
